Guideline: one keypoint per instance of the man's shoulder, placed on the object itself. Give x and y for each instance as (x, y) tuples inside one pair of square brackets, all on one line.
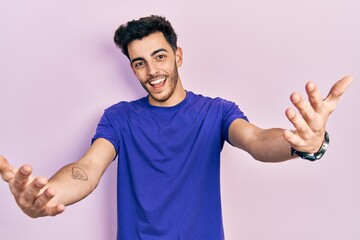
[(209, 99), (124, 105)]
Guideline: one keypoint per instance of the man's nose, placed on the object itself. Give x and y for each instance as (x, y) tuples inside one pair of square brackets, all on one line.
[(152, 69)]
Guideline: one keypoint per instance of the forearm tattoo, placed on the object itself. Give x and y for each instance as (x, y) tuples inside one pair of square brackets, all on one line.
[(79, 174)]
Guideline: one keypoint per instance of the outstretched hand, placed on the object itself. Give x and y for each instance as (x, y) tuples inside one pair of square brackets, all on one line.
[(31, 194), (310, 121)]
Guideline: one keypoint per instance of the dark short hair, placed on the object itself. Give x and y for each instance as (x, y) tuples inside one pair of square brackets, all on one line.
[(138, 29)]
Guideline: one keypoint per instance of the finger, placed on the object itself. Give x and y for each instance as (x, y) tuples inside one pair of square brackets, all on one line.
[(337, 90), (56, 210), (32, 191), (44, 198), (3, 164), (297, 121), (290, 137), (21, 179), (7, 172), (44, 201), (314, 96), (293, 139), (303, 106)]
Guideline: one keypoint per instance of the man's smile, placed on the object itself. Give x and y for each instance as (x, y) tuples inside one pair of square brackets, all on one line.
[(157, 83)]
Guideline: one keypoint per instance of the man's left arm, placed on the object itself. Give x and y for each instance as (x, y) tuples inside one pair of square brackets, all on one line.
[(309, 121)]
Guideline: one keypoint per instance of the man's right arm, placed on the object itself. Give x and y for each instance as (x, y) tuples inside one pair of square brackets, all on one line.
[(39, 197)]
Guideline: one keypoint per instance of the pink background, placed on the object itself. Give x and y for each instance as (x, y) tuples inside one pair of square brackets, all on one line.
[(60, 70)]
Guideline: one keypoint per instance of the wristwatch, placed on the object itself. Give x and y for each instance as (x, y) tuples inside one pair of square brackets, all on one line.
[(313, 156)]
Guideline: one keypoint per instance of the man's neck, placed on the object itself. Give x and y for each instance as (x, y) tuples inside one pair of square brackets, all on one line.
[(177, 97)]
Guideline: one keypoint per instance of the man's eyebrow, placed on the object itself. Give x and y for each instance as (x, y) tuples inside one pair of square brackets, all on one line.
[(159, 50), (137, 59), (152, 54)]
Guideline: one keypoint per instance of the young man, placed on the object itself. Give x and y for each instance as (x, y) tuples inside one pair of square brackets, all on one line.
[(168, 146)]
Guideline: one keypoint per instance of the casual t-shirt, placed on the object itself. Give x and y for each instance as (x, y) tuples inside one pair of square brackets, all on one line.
[(169, 166)]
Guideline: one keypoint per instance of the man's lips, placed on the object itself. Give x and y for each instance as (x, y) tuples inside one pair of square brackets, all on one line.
[(158, 82)]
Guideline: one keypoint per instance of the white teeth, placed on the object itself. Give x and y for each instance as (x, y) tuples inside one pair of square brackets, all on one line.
[(157, 81)]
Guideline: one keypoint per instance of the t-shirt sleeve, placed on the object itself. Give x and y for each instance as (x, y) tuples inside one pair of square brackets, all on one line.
[(230, 112), (106, 130)]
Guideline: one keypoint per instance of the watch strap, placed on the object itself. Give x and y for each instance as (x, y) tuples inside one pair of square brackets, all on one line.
[(314, 156)]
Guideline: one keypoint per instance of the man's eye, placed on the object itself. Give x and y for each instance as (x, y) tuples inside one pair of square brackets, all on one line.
[(161, 57), (139, 64)]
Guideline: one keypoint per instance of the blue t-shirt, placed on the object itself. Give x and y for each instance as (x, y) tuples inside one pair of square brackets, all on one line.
[(169, 166)]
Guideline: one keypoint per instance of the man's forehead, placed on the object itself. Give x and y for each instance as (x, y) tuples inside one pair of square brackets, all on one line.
[(147, 45)]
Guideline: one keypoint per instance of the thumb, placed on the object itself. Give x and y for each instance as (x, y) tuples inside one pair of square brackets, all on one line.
[(337, 91), (6, 170)]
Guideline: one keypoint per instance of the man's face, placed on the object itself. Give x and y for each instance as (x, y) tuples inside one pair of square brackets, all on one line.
[(155, 64)]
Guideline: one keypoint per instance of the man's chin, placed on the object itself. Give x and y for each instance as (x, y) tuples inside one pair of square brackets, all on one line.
[(159, 99)]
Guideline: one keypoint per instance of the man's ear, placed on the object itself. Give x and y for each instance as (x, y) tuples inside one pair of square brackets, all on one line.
[(178, 57)]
